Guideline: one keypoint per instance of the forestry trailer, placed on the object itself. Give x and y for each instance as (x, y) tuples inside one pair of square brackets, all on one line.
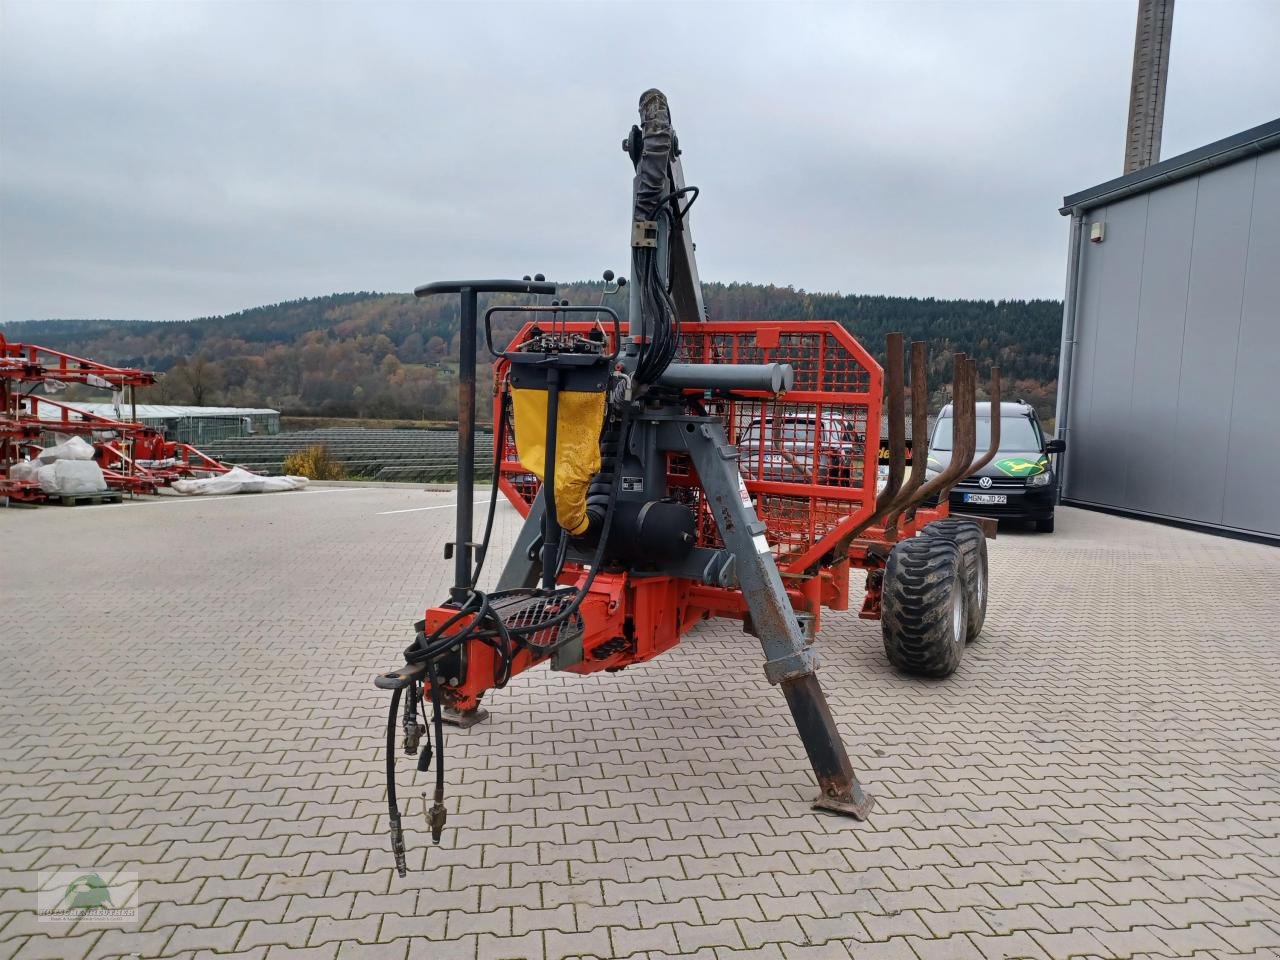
[(675, 468)]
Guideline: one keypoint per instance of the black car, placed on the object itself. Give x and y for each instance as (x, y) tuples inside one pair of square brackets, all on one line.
[(1019, 483)]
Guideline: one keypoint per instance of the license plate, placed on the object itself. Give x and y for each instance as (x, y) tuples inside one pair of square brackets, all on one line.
[(986, 498)]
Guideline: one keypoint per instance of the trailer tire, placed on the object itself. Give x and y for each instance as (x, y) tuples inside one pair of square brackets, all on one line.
[(968, 536), (922, 608)]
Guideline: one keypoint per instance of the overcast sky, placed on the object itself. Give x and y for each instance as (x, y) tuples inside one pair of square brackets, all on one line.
[(164, 160)]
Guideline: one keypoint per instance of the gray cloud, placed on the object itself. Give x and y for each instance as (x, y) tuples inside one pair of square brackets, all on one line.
[(167, 160)]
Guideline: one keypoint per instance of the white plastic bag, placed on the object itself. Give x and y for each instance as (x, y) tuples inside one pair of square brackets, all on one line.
[(69, 478), (238, 480), (25, 470), (74, 448)]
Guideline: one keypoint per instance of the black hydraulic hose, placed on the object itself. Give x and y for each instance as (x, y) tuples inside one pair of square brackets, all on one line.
[(639, 274), (499, 444), (410, 722), (652, 176), (600, 485), (478, 602), (425, 648), (660, 323), (562, 554), (436, 818), (417, 653), (488, 627), (393, 810)]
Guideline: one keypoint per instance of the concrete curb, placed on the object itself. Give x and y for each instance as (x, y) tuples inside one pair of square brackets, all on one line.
[(387, 484)]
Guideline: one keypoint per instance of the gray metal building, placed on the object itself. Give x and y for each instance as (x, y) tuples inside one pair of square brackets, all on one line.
[(1170, 365)]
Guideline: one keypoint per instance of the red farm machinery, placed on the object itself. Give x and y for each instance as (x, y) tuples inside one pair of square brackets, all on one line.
[(673, 468), (134, 457)]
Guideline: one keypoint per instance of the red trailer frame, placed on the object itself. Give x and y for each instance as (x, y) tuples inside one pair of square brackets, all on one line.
[(819, 526)]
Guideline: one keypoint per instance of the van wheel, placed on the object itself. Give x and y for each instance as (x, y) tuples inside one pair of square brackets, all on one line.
[(922, 608), (1044, 526), (968, 536)]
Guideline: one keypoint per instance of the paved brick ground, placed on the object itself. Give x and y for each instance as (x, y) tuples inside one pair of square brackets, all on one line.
[(186, 694)]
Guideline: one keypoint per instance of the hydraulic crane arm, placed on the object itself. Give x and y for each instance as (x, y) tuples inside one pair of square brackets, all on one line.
[(665, 289)]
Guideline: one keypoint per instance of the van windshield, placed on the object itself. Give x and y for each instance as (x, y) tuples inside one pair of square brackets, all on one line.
[(1017, 435)]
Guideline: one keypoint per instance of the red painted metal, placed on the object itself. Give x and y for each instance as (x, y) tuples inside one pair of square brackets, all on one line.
[(810, 518), (837, 382), (625, 621), (133, 457), (28, 362), (814, 505)]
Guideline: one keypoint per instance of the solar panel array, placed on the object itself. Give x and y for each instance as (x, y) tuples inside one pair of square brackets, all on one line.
[(366, 453)]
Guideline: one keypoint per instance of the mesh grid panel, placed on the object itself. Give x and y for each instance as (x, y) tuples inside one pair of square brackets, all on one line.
[(521, 611)]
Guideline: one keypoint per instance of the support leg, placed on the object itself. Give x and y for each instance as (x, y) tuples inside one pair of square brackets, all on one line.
[(839, 789), (524, 568), (789, 660)]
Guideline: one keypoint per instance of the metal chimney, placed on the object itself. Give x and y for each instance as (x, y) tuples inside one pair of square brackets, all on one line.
[(1150, 76)]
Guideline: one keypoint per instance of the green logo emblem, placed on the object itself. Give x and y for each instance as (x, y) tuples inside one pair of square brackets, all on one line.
[(89, 892), (1021, 467), (65, 896)]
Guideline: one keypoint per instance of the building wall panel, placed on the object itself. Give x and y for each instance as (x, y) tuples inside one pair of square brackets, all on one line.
[(1211, 338), (1153, 447), (1117, 265), (1178, 349), (1252, 489)]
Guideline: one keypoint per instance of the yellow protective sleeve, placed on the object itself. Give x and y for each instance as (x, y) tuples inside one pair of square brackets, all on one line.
[(578, 424)]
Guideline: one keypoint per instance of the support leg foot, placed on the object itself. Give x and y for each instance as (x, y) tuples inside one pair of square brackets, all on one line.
[(462, 719), (840, 791), (858, 809)]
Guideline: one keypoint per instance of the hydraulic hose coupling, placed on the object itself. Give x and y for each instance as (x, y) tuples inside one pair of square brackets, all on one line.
[(413, 730), (436, 817), (397, 845)]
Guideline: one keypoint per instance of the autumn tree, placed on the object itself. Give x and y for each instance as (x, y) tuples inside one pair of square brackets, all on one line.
[(195, 380)]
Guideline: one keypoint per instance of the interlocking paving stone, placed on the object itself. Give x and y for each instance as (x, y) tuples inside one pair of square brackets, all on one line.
[(185, 690)]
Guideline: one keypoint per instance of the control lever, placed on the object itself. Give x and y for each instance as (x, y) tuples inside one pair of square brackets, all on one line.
[(608, 290)]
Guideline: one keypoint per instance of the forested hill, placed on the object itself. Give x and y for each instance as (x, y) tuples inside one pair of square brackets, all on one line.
[(390, 355)]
